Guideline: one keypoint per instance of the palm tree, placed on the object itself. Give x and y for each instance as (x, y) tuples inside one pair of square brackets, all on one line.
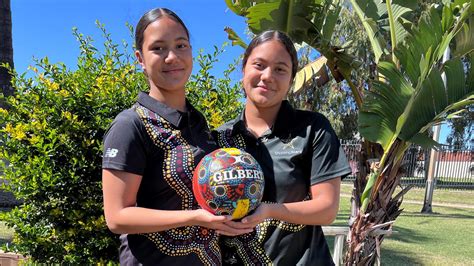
[(6, 48), (415, 90), (407, 97)]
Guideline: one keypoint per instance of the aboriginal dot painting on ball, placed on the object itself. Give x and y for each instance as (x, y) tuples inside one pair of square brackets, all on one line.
[(228, 181)]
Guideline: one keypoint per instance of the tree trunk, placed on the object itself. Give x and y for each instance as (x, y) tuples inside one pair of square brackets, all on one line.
[(367, 229), (6, 49)]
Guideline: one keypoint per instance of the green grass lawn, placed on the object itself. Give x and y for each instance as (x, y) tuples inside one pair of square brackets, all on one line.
[(465, 197), (441, 238)]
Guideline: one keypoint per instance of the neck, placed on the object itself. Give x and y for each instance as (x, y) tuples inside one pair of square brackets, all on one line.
[(175, 99), (259, 120)]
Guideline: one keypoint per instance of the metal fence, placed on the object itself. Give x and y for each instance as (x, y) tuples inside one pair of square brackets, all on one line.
[(454, 167)]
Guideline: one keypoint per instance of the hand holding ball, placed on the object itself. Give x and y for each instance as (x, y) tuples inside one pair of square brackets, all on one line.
[(228, 181)]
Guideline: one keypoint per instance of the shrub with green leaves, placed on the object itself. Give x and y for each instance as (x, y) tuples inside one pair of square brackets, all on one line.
[(219, 99), (52, 138)]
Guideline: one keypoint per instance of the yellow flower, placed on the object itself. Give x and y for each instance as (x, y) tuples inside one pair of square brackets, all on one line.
[(109, 63), (3, 112), (35, 139), (67, 115), (70, 246), (19, 133), (54, 85), (100, 81), (64, 93), (51, 85), (216, 120), (8, 128), (38, 125)]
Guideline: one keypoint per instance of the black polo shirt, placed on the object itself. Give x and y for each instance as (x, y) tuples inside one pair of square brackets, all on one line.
[(299, 151), (163, 145)]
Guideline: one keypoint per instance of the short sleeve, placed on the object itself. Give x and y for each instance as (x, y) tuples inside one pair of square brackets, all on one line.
[(124, 144), (328, 158)]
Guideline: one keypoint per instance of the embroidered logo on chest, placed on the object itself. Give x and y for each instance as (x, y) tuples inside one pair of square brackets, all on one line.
[(288, 147), (288, 144)]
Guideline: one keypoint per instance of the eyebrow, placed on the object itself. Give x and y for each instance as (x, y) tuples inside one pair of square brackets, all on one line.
[(278, 63), (177, 39)]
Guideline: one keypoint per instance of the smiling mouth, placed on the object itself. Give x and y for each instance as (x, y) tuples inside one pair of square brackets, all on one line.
[(264, 88), (173, 70)]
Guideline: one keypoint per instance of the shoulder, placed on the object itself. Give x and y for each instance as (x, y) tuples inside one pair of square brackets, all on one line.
[(128, 116), (125, 123), (227, 136), (227, 126), (223, 132), (317, 127)]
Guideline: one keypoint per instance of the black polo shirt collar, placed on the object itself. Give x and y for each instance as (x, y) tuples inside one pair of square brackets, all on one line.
[(174, 116), (283, 122)]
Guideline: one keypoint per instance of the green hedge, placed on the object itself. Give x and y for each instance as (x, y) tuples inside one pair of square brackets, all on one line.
[(52, 138)]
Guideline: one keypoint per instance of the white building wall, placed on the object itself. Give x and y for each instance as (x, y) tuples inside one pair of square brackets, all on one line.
[(455, 169)]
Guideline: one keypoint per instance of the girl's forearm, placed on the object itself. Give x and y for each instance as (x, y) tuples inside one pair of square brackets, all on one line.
[(134, 220), (320, 210), (312, 212)]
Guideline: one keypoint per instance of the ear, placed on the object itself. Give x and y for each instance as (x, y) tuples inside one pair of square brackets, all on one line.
[(139, 57)]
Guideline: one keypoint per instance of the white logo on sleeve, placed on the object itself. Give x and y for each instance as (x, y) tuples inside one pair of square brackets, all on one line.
[(111, 153)]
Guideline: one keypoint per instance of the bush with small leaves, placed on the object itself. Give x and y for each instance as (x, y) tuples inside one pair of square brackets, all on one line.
[(52, 138), (219, 99)]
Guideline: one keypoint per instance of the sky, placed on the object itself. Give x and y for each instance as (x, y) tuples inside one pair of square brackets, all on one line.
[(44, 28)]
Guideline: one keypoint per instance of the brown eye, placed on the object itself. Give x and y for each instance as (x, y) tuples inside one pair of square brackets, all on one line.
[(158, 48), (258, 65)]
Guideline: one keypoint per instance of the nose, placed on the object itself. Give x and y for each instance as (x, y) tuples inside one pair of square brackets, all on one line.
[(170, 57), (267, 74)]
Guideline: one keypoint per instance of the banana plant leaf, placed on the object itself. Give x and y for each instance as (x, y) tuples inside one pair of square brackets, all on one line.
[(383, 106), (239, 7), (377, 18), (291, 16), (465, 39), (413, 98), (308, 72)]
